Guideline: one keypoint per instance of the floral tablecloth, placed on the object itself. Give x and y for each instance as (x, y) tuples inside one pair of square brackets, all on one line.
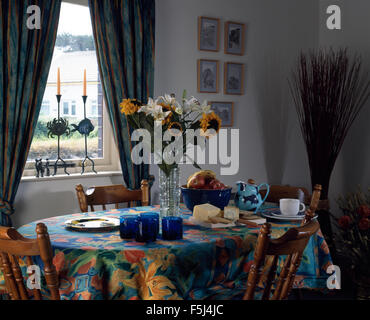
[(205, 264)]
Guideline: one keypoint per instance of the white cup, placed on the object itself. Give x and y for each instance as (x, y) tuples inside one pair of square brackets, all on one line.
[(291, 207)]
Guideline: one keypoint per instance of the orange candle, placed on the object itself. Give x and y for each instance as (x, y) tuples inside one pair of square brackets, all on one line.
[(58, 82), (84, 93)]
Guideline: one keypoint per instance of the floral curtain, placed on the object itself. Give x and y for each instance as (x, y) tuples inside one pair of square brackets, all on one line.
[(25, 57), (124, 40)]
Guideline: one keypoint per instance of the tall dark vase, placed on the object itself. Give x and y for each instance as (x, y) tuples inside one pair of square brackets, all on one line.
[(329, 89)]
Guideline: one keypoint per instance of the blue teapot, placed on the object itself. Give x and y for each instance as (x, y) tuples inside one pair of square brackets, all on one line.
[(248, 197)]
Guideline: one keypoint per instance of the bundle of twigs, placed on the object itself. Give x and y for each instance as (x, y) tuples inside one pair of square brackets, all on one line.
[(329, 90)]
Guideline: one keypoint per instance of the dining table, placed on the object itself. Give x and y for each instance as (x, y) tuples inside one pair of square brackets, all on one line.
[(207, 263)]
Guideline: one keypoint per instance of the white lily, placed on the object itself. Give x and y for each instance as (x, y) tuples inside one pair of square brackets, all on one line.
[(149, 107), (205, 108), (154, 109), (171, 100), (190, 104), (193, 105)]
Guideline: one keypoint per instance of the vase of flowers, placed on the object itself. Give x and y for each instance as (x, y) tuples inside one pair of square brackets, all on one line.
[(168, 122), (354, 239)]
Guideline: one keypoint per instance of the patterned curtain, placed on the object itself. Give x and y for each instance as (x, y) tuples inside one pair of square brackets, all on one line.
[(25, 57), (124, 40)]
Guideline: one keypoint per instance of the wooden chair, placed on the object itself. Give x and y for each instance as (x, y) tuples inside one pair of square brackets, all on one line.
[(291, 245), (113, 194), (12, 246), (278, 192)]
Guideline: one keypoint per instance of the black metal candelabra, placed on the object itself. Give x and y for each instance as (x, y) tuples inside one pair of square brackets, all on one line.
[(85, 127), (58, 127)]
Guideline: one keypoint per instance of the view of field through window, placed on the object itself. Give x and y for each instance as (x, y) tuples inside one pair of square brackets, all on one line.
[(74, 51)]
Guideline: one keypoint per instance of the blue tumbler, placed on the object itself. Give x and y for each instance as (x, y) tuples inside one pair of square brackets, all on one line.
[(128, 226), (172, 228), (148, 226)]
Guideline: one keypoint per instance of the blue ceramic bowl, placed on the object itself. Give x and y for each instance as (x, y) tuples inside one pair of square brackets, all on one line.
[(193, 197)]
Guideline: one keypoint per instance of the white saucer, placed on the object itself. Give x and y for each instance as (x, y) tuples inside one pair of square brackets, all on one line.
[(272, 215), (285, 216)]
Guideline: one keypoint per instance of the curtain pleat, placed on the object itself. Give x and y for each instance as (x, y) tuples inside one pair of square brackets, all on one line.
[(25, 58), (124, 39)]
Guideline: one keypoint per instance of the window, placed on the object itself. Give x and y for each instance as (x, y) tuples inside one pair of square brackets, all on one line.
[(45, 108), (73, 108), (65, 108), (94, 108), (74, 51)]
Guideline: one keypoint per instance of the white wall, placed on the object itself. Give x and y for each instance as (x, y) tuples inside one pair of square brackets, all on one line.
[(271, 147), (44, 198), (352, 167)]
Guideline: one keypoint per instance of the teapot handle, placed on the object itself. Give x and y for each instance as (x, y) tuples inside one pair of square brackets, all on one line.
[(267, 191)]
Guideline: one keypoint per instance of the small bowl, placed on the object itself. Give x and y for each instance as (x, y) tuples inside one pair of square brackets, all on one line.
[(218, 198)]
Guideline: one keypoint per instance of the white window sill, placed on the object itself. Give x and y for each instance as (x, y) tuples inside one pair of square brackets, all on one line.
[(72, 176)]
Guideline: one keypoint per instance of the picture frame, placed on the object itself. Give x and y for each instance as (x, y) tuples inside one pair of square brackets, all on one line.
[(225, 110), (234, 38), (208, 34), (234, 78), (208, 74)]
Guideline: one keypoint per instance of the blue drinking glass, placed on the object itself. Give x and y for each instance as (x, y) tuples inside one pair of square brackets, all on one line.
[(152, 215), (128, 226), (148, 226), (172, 228)]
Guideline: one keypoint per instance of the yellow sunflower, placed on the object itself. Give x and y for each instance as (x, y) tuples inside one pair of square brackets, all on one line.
[(210, 121), (129, 106), (166, 108)]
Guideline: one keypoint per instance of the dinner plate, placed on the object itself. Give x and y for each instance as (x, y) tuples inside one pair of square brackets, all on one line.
[(93, 224)]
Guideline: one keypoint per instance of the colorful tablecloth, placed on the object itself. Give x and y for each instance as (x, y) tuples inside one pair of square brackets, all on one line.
[(206, 264)]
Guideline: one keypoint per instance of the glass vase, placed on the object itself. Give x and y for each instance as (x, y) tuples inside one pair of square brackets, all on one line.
[(169, 193)]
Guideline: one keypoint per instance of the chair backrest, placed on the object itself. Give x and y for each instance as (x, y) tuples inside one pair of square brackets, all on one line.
[(114, 194), (278, 192), (314, 203), (13, 246), (291, 245)]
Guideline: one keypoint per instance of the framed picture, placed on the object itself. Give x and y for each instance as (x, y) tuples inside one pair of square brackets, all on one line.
[(208, 34), (208, 75), (234, 78), (225, 110), (234, 38)]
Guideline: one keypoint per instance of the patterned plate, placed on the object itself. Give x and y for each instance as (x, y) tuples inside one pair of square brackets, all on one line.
[(93, 224)]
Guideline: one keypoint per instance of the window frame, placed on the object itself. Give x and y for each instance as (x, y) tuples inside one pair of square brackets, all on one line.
[(109, 162)]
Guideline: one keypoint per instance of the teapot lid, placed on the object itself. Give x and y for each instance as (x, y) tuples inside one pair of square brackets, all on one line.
[(251, 181)]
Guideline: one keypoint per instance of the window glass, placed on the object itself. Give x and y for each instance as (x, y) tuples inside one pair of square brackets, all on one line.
[(73, 108), (65, 108), (45, 108), (74, 52)]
